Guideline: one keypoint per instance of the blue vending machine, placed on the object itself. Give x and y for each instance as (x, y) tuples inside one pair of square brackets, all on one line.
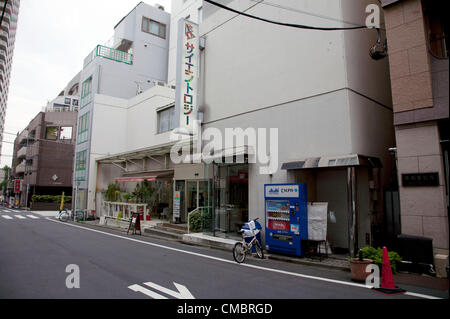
[(286, 217)]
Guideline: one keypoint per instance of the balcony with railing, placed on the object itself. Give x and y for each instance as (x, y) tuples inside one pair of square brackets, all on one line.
[(109, 53), (4, 35), (20, 169), (22, 153)]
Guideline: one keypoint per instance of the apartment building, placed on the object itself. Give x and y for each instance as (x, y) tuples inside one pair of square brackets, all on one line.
[(418, 43), (43, 156), (9, 11), (68, 99), (135, 61), (44, 151)]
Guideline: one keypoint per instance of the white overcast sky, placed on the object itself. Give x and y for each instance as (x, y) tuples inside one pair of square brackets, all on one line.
[(53, 38)]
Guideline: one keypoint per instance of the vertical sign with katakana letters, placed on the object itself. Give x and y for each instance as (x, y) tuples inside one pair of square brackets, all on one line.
[(187, 88)]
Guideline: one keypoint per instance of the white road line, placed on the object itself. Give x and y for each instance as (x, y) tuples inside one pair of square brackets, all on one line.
[(33, 217), (242, 265), (7, 217), (20, 216)]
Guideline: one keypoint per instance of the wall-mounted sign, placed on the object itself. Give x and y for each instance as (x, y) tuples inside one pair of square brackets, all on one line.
[(188, 60), (18, 185), (282, 191), (176, 204), (420, 179)]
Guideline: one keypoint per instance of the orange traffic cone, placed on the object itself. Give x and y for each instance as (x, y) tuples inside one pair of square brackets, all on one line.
[(387, 279)]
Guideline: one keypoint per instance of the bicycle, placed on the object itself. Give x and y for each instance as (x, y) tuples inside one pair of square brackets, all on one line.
[(241, 249), (64, 215)]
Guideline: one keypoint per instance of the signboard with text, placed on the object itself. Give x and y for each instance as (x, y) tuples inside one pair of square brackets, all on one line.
[(176, 204), (17, 185), (187, 75)]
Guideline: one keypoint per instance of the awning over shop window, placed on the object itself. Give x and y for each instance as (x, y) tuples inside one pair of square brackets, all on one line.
[(138, 179), (135, 179), (333, 161)]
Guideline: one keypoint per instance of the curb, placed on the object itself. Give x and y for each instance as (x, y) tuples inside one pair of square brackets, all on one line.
[(224, 247), (306, 262)]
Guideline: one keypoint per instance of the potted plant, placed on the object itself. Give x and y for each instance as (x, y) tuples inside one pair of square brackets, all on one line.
[(376, 254), (358, 267)]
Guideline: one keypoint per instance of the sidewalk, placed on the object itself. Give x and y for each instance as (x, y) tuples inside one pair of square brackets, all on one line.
[(337, 262)]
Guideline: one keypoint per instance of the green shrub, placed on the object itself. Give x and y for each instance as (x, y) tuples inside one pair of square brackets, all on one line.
[(376, 254), (195, 222), (112, 193), (50, 199)]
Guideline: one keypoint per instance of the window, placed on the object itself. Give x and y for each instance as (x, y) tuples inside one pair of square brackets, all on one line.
[(80, 166), (65, 133), (83, 128), (86, 92), (75, 102), (437, 29), (51, 133), (60, 107), (67, 100), (154, 27), (166, 119)]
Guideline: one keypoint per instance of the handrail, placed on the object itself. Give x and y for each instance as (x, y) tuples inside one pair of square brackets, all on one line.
[(112, 209)]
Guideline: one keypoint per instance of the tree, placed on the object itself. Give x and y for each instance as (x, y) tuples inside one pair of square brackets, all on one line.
[(4, 183)]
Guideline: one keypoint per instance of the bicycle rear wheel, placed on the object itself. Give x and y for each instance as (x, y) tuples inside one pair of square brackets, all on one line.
[(239, 252), (79, 215), (64, 215), (259, 250)]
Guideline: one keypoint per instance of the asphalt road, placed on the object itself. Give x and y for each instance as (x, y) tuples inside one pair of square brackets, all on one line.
[(35, 253)]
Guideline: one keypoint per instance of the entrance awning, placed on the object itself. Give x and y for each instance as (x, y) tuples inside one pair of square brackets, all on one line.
[(135, 179), (333, 161), (140, 178)]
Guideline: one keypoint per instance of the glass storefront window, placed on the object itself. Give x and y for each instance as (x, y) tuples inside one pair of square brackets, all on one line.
[(230, 198)]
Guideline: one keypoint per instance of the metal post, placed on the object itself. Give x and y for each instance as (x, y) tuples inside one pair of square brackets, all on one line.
[(352, 211)]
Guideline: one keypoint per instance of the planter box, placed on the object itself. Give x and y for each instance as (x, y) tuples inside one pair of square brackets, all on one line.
[(358, 269), (48, 206)]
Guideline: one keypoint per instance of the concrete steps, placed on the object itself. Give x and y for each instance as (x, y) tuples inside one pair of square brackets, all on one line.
[(166, 231)]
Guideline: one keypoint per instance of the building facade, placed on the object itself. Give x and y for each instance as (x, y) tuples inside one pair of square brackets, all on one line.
[(9, 11), (333, 126), (43, 156), (135, 61), (328, 100), (418, 43)]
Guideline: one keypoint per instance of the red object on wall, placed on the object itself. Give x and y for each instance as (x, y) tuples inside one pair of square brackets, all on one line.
[(17, 185)]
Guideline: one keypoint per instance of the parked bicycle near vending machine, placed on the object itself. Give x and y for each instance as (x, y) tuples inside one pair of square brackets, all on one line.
[(241, 249)]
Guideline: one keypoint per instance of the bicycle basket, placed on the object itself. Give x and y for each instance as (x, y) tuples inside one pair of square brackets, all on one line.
[(248, 233)]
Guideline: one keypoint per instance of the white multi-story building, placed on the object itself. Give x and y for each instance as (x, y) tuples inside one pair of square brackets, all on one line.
[(329, 101), (135, 61), (68, 100), (9, 11)]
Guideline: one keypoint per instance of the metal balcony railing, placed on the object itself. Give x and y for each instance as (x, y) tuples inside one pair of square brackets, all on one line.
[(108, 53), (4, 35)]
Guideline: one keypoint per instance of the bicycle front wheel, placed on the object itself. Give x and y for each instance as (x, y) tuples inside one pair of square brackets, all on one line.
[(239, 252), (259, 250), (64, 216)]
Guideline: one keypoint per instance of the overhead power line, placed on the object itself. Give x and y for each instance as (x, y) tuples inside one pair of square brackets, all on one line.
[(292, 25)]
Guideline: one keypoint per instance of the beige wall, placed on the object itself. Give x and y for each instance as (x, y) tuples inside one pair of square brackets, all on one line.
[(423, 209), (408, 56)]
